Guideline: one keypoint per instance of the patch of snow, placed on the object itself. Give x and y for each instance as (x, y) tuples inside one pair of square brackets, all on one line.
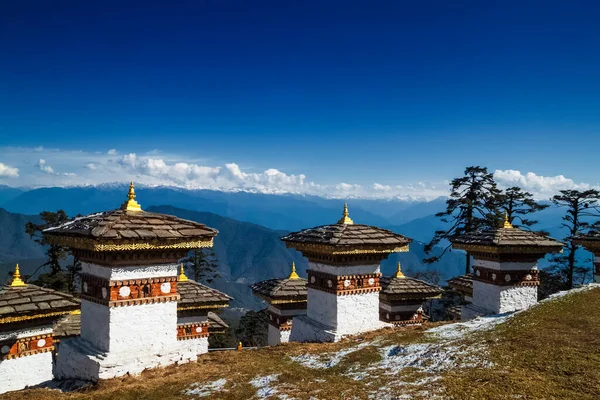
[(263, 384), (583, 288), (206, 389), (459, 330), (328, 360)]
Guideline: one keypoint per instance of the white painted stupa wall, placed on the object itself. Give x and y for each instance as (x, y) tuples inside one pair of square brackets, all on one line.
[(130, 272), (502, 299), (329, 317), (346, 314), (191, 348), (19, 373), (127, 328), (322, 307), (505, 266), (340, 270)]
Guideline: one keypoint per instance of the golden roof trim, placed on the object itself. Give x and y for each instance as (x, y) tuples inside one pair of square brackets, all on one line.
[(8, 320), (288, 301), (202, 307), (84, 243), (505, 249), (334, 250)]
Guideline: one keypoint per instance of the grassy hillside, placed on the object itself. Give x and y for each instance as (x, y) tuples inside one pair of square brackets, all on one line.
[(551, 351)]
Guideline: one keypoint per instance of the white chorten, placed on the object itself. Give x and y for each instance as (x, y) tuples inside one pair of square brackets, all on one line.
[(129, 290), (505, 274), (343, 278)]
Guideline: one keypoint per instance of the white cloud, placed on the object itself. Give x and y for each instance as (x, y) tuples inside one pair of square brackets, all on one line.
[(45, 167), (91, 166), (112, 152), (6, 171), (540, 186), (381, 188)]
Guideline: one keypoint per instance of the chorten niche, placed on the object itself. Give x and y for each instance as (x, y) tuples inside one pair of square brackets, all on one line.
[(343, 278), (505, 274), (129, 290)]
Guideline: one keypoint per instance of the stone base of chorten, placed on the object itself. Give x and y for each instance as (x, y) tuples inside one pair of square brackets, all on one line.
[(77, 359), (22, 372), (305, 329)]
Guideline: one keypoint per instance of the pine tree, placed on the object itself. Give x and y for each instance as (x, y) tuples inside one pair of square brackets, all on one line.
[(54, 253), (516, 204), (471, 206), (580, 206), (202, 265), (252, 330)]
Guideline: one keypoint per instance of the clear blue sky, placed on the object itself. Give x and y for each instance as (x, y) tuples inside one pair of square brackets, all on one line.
[(368, 91)]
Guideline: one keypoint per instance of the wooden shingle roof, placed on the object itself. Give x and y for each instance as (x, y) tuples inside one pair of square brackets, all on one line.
[(462, 284), (408, 287), (123, 226), (590, 240), (196, 295), (281, 290), (216, 324), (32, 302), (506, 239), (348, 236)]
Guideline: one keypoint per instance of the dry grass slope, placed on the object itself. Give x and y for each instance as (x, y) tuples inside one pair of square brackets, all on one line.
[(549, 352)]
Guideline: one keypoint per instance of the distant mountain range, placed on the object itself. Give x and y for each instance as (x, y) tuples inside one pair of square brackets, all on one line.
[(285, 212)]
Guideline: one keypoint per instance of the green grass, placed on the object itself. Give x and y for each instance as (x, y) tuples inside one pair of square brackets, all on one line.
[(549, 352)]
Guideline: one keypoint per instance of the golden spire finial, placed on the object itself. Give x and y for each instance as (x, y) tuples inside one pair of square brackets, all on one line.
[(345, 218), (399, 273), (293, 275), (17, 281), (131, 204), (507, 223), (182, 277)]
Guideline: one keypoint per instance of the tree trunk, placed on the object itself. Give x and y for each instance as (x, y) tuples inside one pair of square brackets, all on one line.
[(468, 264), (571, 259)]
